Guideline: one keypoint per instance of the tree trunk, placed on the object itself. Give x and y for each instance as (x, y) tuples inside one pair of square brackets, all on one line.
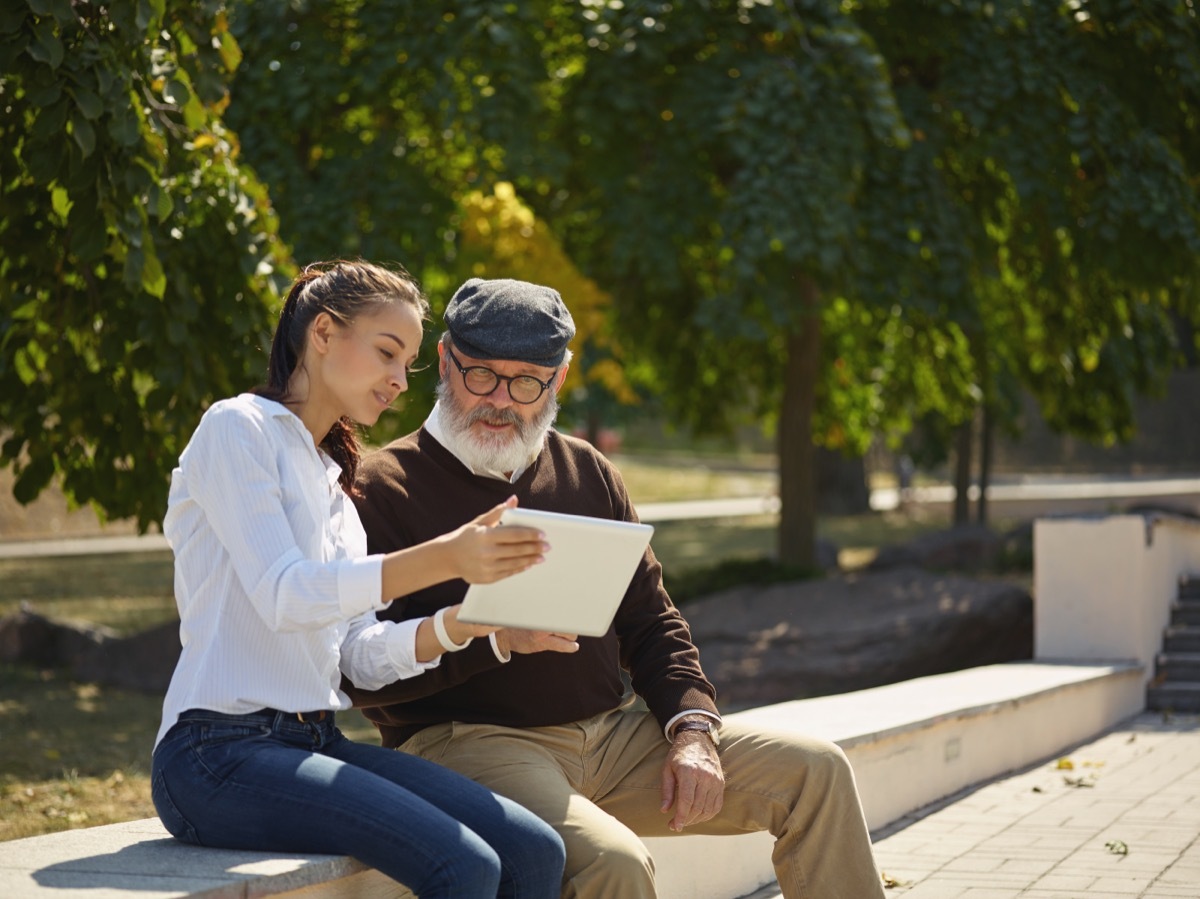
[(962, 473), (797, 484), (841, 483), (985, 464), (593, 425)]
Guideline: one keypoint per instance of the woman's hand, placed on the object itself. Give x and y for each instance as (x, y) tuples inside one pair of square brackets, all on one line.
[(482, 553), (461, 631), (458, 634)]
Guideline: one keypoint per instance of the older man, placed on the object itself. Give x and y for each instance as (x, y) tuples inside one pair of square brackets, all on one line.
[(543, 718)]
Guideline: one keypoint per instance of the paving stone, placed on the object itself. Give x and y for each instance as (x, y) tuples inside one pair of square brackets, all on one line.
[(1034, 835)]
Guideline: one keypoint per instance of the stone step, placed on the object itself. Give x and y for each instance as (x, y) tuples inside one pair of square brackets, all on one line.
[(1178, 666), (1189, 589), (1186, 613), (1180, 697), (1181, 639)]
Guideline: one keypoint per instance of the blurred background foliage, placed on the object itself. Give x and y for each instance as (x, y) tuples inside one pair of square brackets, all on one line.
[(840, 221)]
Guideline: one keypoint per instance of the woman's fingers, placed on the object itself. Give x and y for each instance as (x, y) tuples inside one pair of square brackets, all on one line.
[(492, 515)]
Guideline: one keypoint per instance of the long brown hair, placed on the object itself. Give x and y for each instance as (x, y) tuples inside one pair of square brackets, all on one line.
[(346, 290)]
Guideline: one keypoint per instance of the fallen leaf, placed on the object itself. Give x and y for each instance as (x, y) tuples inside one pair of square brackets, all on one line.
[(1117, 847), (891, 883)]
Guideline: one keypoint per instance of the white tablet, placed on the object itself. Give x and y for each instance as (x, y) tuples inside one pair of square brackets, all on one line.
[(577, 589)]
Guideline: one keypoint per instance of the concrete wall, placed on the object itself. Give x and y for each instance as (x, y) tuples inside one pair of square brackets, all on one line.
[(1103, 587), (913, 743)]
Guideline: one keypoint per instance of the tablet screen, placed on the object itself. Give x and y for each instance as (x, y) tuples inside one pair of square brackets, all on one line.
[(577, 589)]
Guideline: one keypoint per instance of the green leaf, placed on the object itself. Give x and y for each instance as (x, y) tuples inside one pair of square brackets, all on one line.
[(131, 272), (88, 238), (162, 202), (84, 134), (24, 366), (89, 104), (33, 478), (177, 332), (46, 48), (176, 92), (154, 280), (46, 160), (43, 92), (231, 53), (60, 202), (150, 14), (12, 17), (88, 229), (48, 124), (61, 10), (123, 126)]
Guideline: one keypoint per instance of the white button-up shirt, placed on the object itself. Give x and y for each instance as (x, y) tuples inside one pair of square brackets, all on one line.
[(276, 593)]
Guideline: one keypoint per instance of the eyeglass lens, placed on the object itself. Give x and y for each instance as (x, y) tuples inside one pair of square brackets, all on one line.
[(482, 381)]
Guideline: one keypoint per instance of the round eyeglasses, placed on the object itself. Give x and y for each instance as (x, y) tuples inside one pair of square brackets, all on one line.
[(481, 381)]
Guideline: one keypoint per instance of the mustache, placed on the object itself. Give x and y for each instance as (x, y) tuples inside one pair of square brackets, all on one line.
[(495, 417)]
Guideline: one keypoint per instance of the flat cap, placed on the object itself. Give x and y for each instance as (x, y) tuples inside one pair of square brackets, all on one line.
[(507, 319)]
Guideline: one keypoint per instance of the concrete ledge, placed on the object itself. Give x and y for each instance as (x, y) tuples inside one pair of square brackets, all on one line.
[(910, 743), (913, 743)]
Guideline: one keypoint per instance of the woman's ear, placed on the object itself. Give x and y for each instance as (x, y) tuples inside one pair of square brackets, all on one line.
[(320, 332)]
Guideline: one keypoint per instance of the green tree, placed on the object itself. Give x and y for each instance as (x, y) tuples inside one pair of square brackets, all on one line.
[(836, 216), (384, 131), (728, 166), (140, 260), (1069, 133), (1014, 185)]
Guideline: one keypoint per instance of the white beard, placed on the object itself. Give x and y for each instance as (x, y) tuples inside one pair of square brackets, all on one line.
[(492, 453)]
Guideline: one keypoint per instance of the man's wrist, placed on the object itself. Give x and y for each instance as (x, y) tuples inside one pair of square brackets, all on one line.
[(696, 724)]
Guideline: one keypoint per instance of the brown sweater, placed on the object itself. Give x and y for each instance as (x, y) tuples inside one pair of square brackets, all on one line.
[(415, 489)]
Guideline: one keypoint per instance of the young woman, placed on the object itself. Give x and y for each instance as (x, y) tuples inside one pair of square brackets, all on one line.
[(277, 600)]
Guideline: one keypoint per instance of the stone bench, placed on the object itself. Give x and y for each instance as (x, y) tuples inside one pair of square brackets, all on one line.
[(911, 743)]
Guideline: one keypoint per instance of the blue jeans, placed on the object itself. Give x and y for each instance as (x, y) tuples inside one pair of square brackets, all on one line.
[(268, 781)]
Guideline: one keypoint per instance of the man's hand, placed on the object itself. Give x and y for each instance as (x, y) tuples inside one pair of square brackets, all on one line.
[(512, 639), (692, 780)]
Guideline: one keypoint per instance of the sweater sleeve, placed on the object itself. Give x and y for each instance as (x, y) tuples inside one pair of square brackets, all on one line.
[(656, 642)]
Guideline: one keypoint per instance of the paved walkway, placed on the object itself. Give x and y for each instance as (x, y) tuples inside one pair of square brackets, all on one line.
[(1120, 821), (1114, 819)]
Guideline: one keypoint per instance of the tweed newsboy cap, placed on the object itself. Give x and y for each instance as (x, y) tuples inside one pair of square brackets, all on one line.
[(507, 319)]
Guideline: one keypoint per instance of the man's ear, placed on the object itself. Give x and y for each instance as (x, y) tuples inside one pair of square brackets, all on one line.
[(560, 377), (442, 360)]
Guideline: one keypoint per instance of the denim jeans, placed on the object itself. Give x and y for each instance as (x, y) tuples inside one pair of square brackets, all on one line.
[(268, 781)]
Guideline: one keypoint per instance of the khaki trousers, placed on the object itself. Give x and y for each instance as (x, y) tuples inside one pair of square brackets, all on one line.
[(598, 783)]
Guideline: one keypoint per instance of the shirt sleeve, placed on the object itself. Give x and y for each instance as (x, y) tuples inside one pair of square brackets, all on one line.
[(375, 653), (232, 473)]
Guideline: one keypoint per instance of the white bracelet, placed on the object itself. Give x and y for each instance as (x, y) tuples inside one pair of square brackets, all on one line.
[(443, 635)]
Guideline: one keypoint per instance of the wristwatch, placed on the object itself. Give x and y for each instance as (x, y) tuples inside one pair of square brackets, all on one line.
[(703, 726)]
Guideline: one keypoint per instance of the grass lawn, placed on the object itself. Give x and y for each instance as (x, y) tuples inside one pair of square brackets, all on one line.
[(77, 755)]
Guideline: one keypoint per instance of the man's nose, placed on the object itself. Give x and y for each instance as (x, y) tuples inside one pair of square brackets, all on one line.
[(500, 397)]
